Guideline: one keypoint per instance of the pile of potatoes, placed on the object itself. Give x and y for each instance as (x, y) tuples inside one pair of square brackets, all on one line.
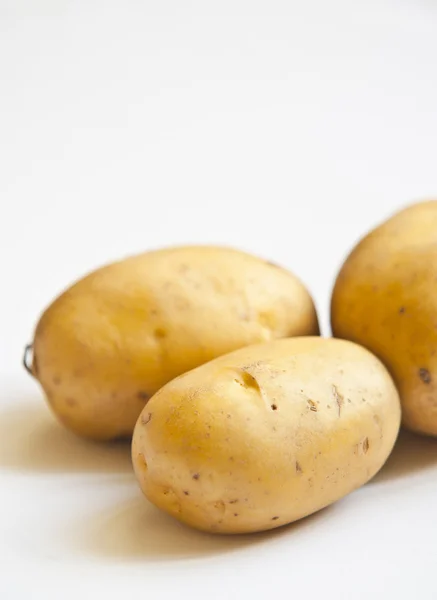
[(242, 418)]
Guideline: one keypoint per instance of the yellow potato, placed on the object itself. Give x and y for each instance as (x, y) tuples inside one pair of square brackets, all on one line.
[(267, 434), (114, 338), (385, 299)]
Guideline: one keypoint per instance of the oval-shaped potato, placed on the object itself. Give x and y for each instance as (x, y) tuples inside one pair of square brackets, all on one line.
[(114, 338), (384, 298), (267, 434)]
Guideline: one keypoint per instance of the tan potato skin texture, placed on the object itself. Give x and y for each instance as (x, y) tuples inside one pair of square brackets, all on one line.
[(114, 338), (267, 434), (385, 299)]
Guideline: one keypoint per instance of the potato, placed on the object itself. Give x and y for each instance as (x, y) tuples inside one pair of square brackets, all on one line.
[(114, 338), (267, 434), (384, 298)]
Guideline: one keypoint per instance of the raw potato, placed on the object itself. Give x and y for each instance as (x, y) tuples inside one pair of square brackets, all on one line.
[(385, 299), (267, 434), (114, 338)]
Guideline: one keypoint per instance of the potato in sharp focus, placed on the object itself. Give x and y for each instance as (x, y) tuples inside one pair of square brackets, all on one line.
[(385, 299), (267, 434), (115, 337)]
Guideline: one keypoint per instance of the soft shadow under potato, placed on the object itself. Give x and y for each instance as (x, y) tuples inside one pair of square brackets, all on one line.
[(137, 530), (32, 440), (412, 453)]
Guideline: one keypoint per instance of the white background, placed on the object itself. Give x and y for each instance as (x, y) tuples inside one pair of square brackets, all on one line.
[(284, 128)]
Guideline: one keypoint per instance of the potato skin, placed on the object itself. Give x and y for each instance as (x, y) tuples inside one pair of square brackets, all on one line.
[(115, 337), (267, 434), (384, 298)]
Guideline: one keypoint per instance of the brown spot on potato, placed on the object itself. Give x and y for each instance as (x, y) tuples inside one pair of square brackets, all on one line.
[(312, 405), (146, 418), (425, 375), (274, 407), (298, 467), (141, 463), (365, 445), (196, 476), (144, 396), (186, 493), (233, 501), (275, 518), (173, 503), (402, 310), (219, 506), (56, 380), (71, 401), (235, 514), (160, 333)]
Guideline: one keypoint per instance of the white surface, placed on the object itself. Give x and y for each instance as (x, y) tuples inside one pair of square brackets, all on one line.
[(284, 128)]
